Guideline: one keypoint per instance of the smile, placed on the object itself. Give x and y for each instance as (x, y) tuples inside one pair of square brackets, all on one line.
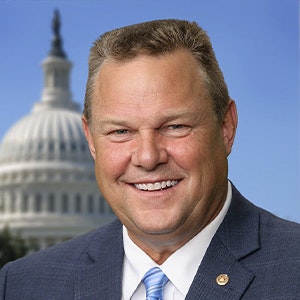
[(155, 186)]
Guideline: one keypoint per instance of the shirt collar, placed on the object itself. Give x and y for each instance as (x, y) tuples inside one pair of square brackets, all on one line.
[(184, 261)]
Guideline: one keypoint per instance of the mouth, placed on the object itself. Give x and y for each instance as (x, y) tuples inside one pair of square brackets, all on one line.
[(157, 186)]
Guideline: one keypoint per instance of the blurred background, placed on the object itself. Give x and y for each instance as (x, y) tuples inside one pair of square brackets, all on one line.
[(256, 43)]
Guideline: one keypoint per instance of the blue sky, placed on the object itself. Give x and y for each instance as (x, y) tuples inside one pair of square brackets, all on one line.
[(256, 43)]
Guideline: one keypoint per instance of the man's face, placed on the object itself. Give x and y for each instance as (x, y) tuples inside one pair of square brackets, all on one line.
[(160, 154)]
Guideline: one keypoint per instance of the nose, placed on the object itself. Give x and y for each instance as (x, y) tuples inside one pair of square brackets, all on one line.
[(149, 151)]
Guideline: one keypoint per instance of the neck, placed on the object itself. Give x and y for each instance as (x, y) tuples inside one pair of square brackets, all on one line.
[(159, 247)]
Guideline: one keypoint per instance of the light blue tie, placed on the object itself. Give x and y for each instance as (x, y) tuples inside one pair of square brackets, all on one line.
[(155, 281)]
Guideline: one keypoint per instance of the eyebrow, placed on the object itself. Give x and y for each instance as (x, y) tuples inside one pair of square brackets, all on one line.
[(164, 118)]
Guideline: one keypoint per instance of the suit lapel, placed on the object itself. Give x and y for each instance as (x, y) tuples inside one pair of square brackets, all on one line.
[(103, 278), (236, 238), (215, 263)]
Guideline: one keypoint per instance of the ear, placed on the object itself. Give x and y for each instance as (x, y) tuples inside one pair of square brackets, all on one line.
[(89, 136), (229, 126)]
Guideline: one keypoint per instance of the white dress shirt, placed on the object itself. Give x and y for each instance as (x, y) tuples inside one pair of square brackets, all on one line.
[(181, 267)]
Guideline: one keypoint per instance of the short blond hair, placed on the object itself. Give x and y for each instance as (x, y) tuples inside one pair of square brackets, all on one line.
[(159, 37)]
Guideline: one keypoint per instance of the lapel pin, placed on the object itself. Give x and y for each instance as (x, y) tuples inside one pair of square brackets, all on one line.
[(222, 279)]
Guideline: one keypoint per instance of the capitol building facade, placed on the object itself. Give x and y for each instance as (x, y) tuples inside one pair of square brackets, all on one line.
[(48, 191)]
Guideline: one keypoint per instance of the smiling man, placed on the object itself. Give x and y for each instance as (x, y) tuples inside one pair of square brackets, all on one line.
[(160, 125), (160, 151)]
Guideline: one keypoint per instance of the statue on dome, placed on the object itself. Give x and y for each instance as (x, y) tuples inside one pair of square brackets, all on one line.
[(56, 23), (56, 46)]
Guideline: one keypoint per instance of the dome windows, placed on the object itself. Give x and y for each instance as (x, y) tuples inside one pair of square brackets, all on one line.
[(65, 204), (25, 204), (78, 204), (51, 203), (37, 203)]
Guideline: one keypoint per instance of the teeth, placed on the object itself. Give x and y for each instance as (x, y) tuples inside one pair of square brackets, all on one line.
[(155, 186)]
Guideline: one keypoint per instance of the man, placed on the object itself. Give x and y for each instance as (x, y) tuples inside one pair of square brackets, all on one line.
[(160, 124)]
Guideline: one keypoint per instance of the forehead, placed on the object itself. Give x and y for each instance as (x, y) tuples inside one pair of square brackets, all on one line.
[(157, 80), (177, 65)]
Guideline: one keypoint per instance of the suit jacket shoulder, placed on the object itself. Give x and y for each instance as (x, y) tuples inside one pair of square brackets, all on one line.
[(259, 252), (86, 267)]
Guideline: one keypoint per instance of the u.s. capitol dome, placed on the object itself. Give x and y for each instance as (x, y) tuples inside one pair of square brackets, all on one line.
[(48, 191)]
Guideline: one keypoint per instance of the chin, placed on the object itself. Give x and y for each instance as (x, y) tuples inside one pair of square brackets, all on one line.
[(157, 227)]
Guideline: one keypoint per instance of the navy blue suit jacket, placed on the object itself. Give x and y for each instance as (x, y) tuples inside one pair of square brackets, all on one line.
[(258, 251)]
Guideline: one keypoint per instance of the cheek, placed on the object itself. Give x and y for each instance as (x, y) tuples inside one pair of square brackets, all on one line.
[(187, 153), (199, 155), (110, 161)]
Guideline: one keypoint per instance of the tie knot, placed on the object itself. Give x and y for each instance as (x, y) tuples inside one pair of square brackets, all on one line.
[(155, 280)]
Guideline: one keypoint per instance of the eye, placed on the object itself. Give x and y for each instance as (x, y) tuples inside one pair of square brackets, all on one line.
[(176, 130), (120, 135), (120, 131), (176, 127)]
